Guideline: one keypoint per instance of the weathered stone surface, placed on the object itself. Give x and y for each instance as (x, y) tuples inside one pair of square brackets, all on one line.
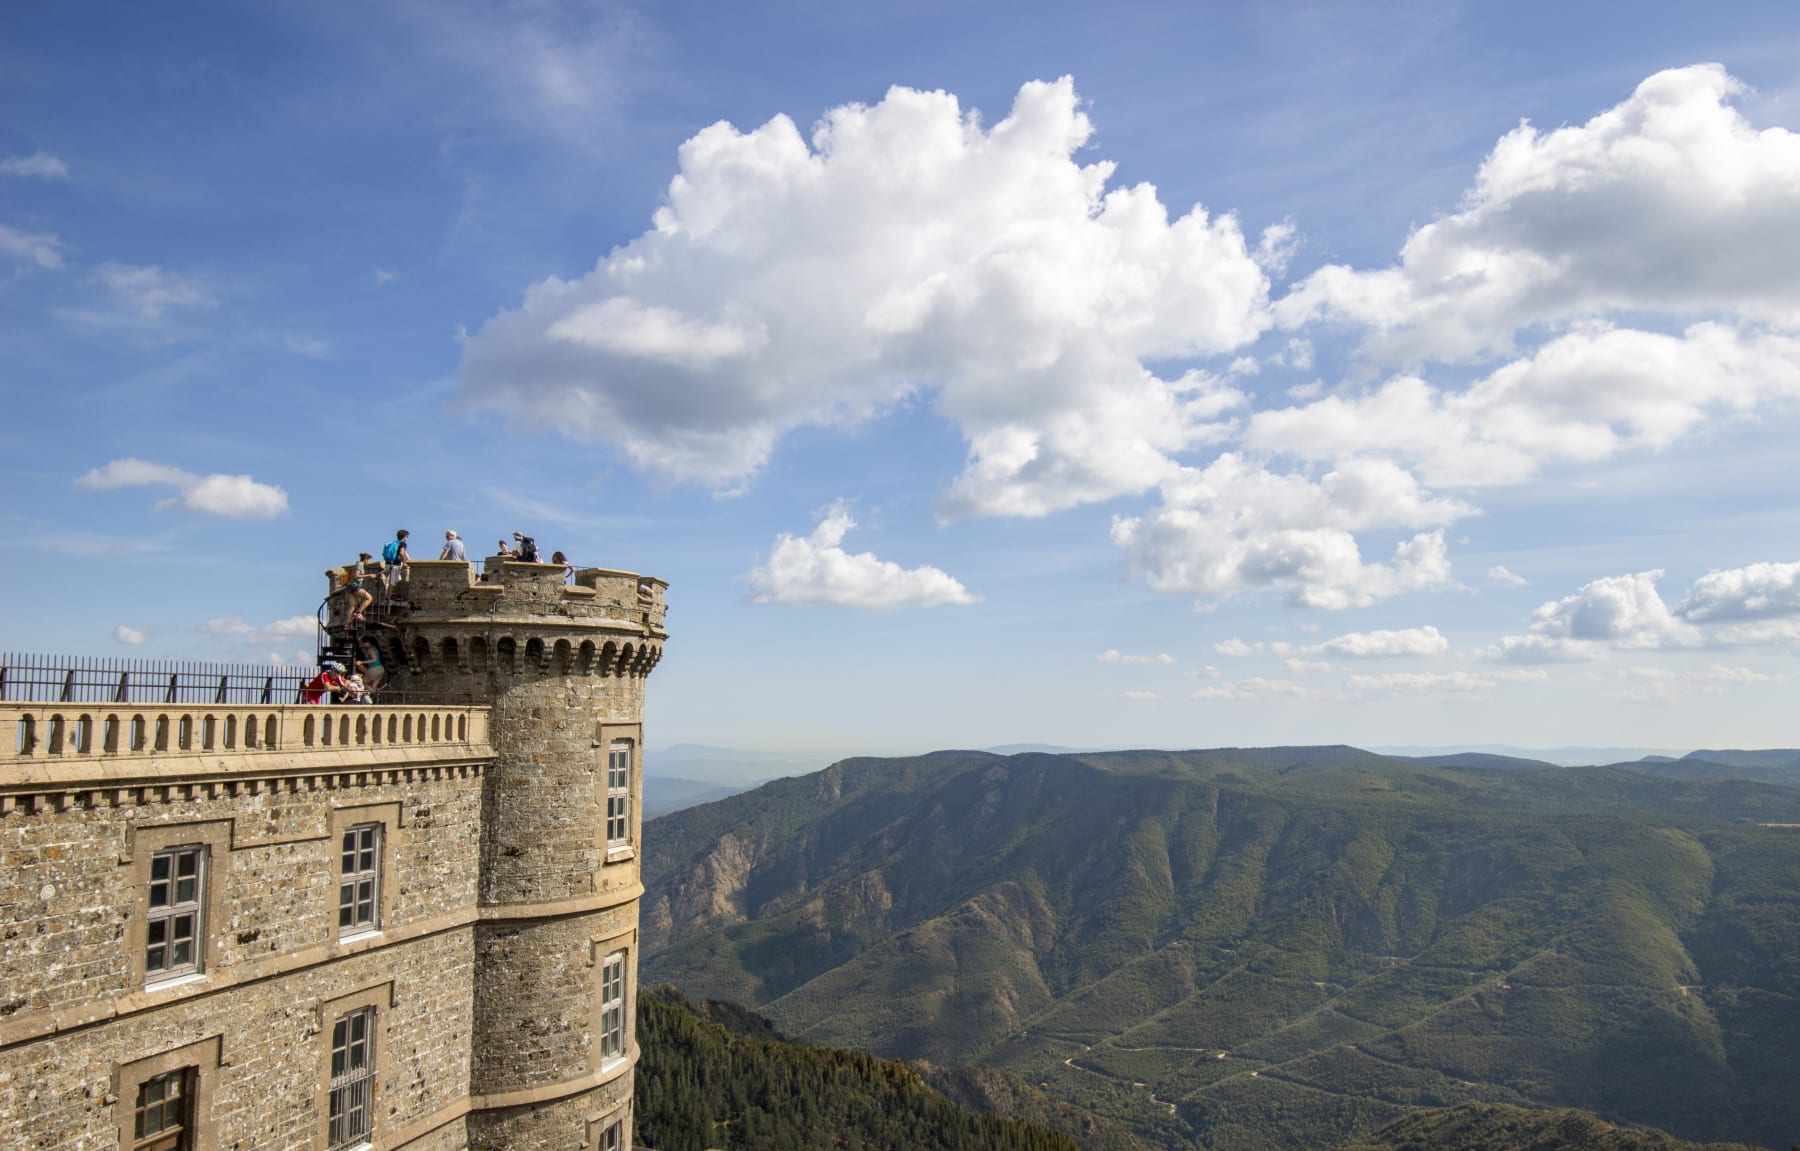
[(500, 899)]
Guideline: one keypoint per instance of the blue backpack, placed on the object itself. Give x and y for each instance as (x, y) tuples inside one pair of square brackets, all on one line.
[(391, 551)]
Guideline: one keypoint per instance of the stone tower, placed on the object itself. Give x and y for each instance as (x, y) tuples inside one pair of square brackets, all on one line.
[(556, 944)]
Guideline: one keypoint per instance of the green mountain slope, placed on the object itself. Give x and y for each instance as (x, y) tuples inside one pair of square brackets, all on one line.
[(1488, 1127), (701, 1084), (1263, 948)]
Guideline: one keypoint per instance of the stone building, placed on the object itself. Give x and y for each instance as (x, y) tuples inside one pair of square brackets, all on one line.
[(252, 923)]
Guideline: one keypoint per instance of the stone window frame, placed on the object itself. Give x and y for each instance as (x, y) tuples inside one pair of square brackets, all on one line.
[(202, 1058), (617, 1117), (173, 1109), (387, 817), (612, 982), (143, 843), (605, 736), (625, 943), (379, 996), (618, 787), (357, 1078), (174, 913)]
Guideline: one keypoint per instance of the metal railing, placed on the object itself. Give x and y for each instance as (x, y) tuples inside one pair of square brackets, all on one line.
[(26, 678)]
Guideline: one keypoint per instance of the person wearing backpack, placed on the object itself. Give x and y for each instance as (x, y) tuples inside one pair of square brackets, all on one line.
[(528, 553), (393, 553)]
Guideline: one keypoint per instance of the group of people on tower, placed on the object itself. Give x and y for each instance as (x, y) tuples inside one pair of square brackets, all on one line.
[(523, 549), (337, 684)]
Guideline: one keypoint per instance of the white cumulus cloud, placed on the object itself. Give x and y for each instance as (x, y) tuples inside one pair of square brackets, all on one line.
[(1759, 591), (129, 636), (1669, 202), (1505, 576), (814, 569), (1235, 526), (1581, 398), (904, 247), (234, 497), (1751, 605)]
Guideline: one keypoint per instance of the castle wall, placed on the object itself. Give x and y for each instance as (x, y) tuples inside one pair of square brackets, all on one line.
[(80, 1023), (500, 941)]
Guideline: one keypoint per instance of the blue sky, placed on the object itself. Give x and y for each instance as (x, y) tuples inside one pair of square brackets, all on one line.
[(1162, 374)]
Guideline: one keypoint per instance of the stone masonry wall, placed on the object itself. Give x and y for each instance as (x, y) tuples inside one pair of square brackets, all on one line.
[(67, 896), (57, 1094), (76, 1016)]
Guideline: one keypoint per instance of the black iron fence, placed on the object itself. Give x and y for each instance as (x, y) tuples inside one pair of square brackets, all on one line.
[(75, 679)]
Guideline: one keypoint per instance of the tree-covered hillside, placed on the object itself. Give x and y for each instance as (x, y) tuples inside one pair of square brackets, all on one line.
[(703, 1085), (1262, 949)]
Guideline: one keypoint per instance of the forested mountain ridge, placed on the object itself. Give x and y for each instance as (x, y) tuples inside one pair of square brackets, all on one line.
[(1263, 948), (702, 1083)]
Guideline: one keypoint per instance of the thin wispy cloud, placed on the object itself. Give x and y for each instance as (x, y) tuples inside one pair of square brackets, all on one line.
[(1112, 655), (43, 249), (37, 166)]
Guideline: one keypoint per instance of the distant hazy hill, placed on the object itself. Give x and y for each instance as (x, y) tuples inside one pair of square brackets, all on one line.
[(1261, 948), (1489, 1127), (663, 794), (708, 1076), (1776, 765), (1561, 756)]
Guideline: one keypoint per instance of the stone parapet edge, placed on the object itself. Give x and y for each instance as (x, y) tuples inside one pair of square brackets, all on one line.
[(29, 792)]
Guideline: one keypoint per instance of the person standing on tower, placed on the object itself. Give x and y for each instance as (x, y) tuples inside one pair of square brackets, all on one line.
[(393, 553), (453, 548)]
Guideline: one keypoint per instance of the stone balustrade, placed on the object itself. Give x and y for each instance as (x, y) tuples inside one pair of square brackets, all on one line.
[(72, 732)]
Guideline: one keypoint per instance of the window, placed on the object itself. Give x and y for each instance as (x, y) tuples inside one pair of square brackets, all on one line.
[(163, 1117), (359, 879), (612, 1007), (352, 1079), (612, 1137), (618, 796), (172, 940)]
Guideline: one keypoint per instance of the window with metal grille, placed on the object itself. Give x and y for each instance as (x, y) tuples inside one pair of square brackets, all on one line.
[(175, 918), (352, 1107), (618, 795), (612, 1006), (162, 1119), (359, 879)]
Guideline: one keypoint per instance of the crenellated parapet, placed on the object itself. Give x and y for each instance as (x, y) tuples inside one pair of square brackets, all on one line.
[(599, 597), (522, 620)]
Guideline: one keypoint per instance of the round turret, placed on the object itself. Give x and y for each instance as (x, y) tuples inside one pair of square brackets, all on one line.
[(562, 669)]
